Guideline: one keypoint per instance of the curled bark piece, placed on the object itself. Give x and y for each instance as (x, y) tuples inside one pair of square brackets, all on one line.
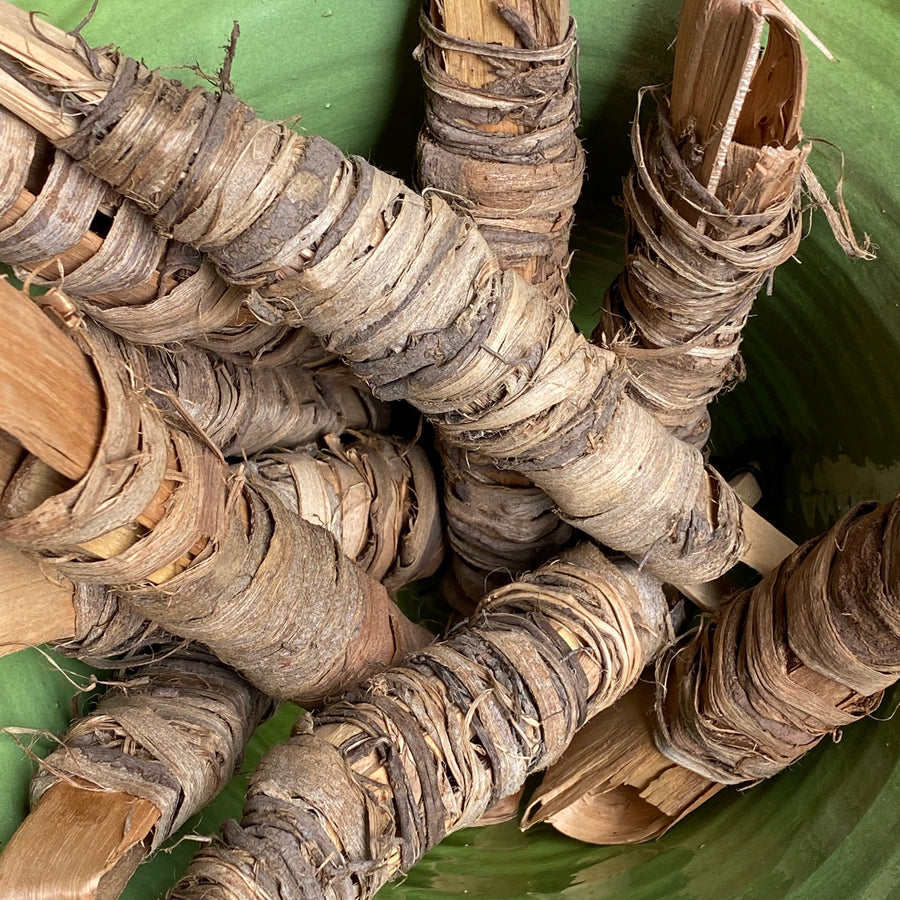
[(166, 739), (408, 292), (138, 284), (426, 748), (376, 495), (225, 563), (499, 141), (713, 207)]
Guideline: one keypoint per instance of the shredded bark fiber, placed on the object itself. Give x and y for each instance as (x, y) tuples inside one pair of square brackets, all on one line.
[(172, 732), (412, 296), (138, 284), (226, 564), (499, 143), (427, 748)]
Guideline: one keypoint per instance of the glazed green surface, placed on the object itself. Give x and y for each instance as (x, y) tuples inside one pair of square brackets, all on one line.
[(819, 412)]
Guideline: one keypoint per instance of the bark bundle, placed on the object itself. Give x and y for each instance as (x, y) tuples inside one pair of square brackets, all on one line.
[(412, 295), (503, 149), (426, 748), (172, 732)]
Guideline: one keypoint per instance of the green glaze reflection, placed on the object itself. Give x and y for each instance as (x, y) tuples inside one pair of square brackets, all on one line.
[(819, 411)]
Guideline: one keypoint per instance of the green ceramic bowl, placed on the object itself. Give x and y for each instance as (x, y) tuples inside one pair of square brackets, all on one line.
[(819, 411)]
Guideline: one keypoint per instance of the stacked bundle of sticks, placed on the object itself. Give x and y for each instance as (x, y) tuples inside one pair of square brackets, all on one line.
[(220, 515)]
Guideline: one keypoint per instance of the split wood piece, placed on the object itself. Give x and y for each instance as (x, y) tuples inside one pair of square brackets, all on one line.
[(159, 746), (499, 142), (140, 285), (474, 347), (713, 207), (807, 651), (98, 856), (53, 409), (266, 591), (358, 797)]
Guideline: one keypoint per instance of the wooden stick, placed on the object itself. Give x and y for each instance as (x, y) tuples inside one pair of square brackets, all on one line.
[(715, 56), (492, 22), (104, 841)]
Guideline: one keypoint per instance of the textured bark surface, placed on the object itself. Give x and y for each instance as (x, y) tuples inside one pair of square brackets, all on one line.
[(225, 563), (427, 748), (377, 495), (806, 652), (242, 410), (502, 146), (410, 294)]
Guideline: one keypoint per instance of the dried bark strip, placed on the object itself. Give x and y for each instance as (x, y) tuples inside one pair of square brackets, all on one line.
[(426, 748), (410, 294)]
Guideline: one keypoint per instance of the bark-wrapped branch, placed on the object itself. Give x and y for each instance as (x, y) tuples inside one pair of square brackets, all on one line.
[(426, 748), (807, 651), (172, 732), (225, 562), (160, 745), (243, 410), (61, 226), (376, 495), (713, 206), (498, 526), (407, 291), (499, 142)]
